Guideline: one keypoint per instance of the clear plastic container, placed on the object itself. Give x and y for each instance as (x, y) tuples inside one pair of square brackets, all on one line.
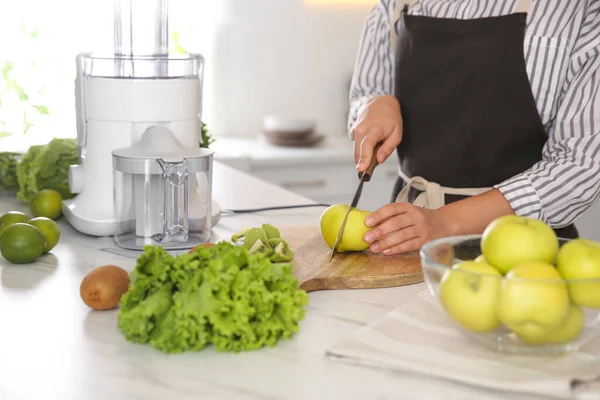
[(101, 65), (162, 193)]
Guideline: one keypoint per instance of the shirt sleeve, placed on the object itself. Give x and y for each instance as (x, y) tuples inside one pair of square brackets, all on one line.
[(373, 70), (566, 182)]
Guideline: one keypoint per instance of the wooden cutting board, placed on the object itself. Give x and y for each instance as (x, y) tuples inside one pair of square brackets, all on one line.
[(356, 270)]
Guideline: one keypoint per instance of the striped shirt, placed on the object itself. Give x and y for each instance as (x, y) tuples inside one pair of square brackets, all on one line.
[(562, 53)]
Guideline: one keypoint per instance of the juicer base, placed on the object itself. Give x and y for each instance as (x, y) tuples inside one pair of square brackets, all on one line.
[(134, 242), (89, 223)]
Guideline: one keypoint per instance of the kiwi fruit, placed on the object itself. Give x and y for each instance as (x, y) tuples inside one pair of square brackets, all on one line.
[(254, 235), (240, 234), (102, 288), (271, 231), (282, 253), (261, 247), (274, 242)]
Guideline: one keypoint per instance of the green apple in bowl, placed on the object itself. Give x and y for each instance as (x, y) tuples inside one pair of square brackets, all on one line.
[(354, 230), (534, 300), (481, 259), (511, 240), (568, 329), (469, 292), (579, 259)]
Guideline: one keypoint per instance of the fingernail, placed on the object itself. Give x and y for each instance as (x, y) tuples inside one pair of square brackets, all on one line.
[(369, 237), (387, 252), (368, 221), (375, 247), (360, 164)]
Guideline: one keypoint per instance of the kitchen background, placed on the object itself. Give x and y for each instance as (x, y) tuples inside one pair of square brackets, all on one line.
[(289, 58)]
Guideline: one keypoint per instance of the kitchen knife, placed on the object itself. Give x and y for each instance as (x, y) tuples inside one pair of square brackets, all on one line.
[(364, 177)]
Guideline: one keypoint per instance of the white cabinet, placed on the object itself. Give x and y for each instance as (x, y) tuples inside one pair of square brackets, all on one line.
[(325, 174), (331, 181)]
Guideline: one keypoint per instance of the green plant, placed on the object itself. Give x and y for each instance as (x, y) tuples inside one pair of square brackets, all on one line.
[(207, 138), (15, 92)]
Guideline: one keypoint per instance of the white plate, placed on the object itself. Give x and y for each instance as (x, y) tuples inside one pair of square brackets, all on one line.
[(282, 125)]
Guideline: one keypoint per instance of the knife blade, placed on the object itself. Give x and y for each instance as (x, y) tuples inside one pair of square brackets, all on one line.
[(364, 176)]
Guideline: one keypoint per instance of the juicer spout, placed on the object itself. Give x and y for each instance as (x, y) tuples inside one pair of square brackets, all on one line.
[(176, 223)]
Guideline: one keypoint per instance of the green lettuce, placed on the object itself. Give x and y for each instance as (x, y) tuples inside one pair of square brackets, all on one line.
[(223, 295), (47, 167), (8, 171)]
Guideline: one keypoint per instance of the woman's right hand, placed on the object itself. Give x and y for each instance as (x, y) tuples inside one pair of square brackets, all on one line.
[(379, 121)]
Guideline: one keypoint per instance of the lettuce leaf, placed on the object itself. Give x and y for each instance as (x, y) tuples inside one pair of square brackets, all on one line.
[(47, 167), (221, 295), (8, 171)]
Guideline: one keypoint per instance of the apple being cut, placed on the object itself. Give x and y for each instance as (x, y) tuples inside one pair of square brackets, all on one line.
[(469, 292), (354, 230), (533, 299), (580, 259), (511, 240)]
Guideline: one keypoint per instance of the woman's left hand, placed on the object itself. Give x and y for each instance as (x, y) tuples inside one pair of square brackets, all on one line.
[(403, 227)]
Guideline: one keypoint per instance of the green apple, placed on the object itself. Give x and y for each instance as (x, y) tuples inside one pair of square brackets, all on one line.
[(533, 299), (511, 240), (480, 259), (580, 259), (354, 230), (566, 331), (469, 292)]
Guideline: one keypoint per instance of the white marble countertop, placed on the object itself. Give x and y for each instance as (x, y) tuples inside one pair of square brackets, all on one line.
[(52, 346)]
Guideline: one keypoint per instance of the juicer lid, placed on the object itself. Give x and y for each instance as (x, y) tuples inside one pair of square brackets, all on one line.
[(157, 142)]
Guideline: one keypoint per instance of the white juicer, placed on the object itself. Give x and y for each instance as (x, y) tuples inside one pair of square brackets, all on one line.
[(119, 97)]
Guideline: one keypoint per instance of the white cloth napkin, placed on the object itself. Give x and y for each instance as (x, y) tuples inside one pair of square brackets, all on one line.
[(418, 337)]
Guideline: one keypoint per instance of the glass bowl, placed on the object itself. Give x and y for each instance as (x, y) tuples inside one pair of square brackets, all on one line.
[(524, 316)]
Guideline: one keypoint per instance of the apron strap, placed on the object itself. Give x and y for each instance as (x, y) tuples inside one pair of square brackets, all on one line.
[(523, 6), (433, 195), (395, 17)]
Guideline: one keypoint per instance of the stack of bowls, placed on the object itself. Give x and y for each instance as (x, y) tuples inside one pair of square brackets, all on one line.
[(281, 131)]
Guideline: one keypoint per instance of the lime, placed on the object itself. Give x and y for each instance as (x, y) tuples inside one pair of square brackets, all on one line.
[(22, 243), (49, 229), (11, 217), (46, 203)]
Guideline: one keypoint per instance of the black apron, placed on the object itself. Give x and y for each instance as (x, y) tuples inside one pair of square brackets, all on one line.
[(469, 116)]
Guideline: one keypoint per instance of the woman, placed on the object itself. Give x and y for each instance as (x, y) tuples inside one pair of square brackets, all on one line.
[(493, 108)]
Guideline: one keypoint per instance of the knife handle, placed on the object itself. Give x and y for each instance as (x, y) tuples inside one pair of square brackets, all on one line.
[(369, 171)]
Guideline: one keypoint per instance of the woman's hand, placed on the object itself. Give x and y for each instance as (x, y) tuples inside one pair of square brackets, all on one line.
[(380, 121), (403, 227)]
